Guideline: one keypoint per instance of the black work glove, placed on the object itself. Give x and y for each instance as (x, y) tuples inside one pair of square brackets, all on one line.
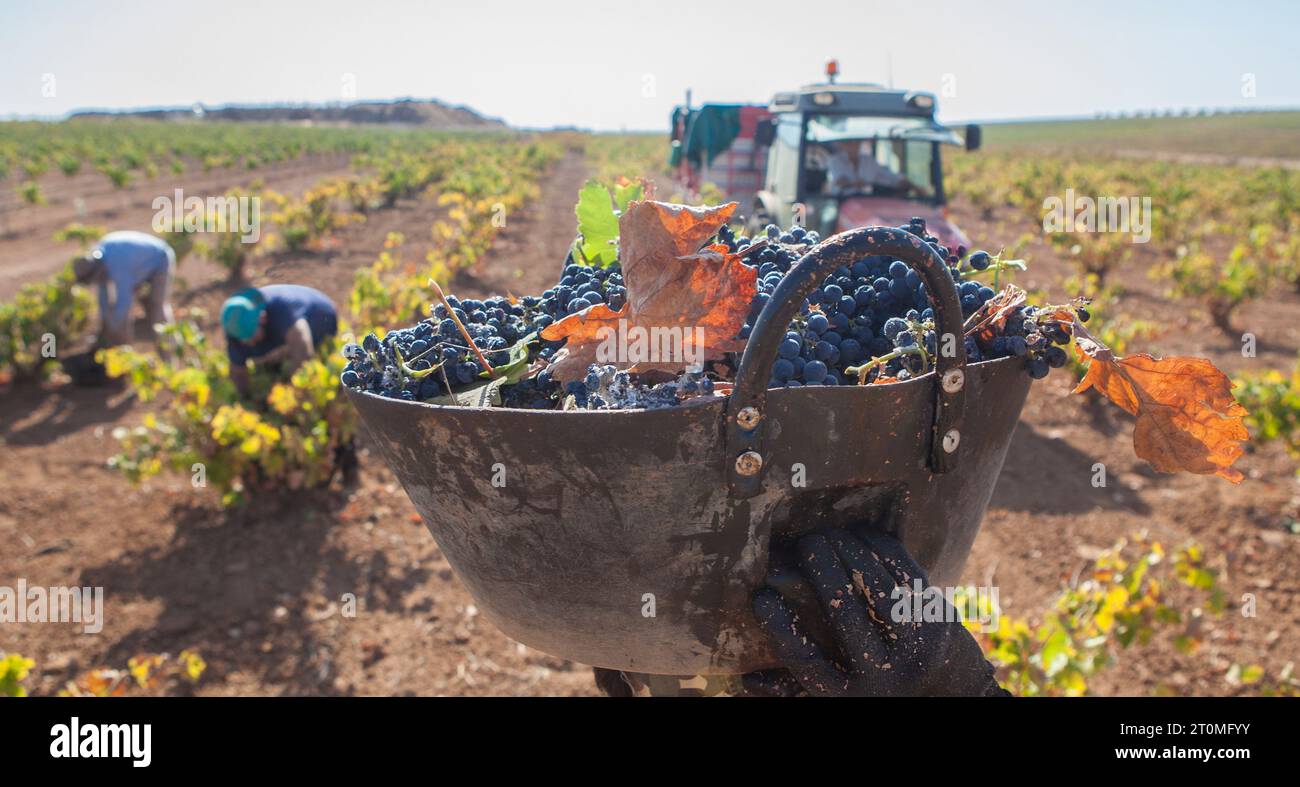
[(866, 652)]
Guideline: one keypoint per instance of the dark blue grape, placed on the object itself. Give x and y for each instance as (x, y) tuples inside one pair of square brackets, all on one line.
[(893, 327)]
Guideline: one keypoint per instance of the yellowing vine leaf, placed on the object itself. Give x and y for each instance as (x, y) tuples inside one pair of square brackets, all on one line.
[(1187, 417), (702, 295)]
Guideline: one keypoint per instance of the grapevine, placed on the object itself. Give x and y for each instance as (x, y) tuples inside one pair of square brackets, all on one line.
[(294, 433), (42, 318)]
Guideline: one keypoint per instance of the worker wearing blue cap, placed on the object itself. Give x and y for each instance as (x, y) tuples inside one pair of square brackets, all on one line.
[(277, 324)]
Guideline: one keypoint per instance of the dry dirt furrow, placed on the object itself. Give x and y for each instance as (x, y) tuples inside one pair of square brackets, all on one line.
[(29, 253)]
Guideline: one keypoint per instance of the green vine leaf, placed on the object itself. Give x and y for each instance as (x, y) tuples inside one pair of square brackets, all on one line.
[(597, 225)]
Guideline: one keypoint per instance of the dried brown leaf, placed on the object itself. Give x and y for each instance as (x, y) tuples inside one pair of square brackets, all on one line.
[(671, 283), (1187, 418), (992, 315)]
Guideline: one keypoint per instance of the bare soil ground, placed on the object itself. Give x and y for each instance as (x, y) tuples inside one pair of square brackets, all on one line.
[(260, 592), (1047, 520)]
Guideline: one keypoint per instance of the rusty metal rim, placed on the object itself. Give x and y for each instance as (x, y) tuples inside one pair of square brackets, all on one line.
[(924, 379)]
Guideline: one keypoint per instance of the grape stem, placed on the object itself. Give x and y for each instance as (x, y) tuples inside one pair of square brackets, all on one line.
[(452, 312), (405, 364), (416, 373), (578, 248), (997, 264), (443, 371), (861, 371)]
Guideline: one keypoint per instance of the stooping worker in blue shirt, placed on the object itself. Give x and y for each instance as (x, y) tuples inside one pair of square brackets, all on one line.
[(277, 324), (127, 261)]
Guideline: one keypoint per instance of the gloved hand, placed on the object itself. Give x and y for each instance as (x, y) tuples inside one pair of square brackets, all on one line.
[(854, 579)]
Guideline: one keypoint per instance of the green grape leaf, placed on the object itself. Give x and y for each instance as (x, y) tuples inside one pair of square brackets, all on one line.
[(1056, 652), (597, 224), (626, 193), (517, 367), (484, 394)]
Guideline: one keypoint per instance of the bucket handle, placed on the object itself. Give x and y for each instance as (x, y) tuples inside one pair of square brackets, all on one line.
[(747, 407)]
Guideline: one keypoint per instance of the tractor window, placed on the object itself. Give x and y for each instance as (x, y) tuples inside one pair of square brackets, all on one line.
[(787, 131), (889, 154), (918, 160), (832, 128), (783, 158), (856, 166), (829, 128)]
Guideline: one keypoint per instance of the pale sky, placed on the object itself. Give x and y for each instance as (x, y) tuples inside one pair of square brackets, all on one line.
[(624, 65)]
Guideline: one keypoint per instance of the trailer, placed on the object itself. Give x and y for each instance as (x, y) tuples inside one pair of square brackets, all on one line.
[(715, 143)]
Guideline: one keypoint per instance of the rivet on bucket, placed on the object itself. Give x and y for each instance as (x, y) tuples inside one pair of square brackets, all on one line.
[(749, 463), (950, 440), (748, 417)]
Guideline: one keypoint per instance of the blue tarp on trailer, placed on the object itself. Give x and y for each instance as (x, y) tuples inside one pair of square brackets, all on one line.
[(710, 130)]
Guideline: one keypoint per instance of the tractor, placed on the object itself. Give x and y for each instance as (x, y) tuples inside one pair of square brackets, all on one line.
[(829, 156)]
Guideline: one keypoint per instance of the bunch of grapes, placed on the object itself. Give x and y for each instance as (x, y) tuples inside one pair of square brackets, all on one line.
[(1034, 334), (419, 362), (582, 286), (872, 317)]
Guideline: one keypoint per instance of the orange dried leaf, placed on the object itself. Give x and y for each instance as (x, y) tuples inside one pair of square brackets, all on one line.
[(1187, 417), (700, 296)]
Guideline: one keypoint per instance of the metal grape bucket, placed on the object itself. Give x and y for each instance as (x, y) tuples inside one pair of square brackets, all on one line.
[(634, 540)]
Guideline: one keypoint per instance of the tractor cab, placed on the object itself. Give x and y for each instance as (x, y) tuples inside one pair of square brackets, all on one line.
[(845, 156)]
